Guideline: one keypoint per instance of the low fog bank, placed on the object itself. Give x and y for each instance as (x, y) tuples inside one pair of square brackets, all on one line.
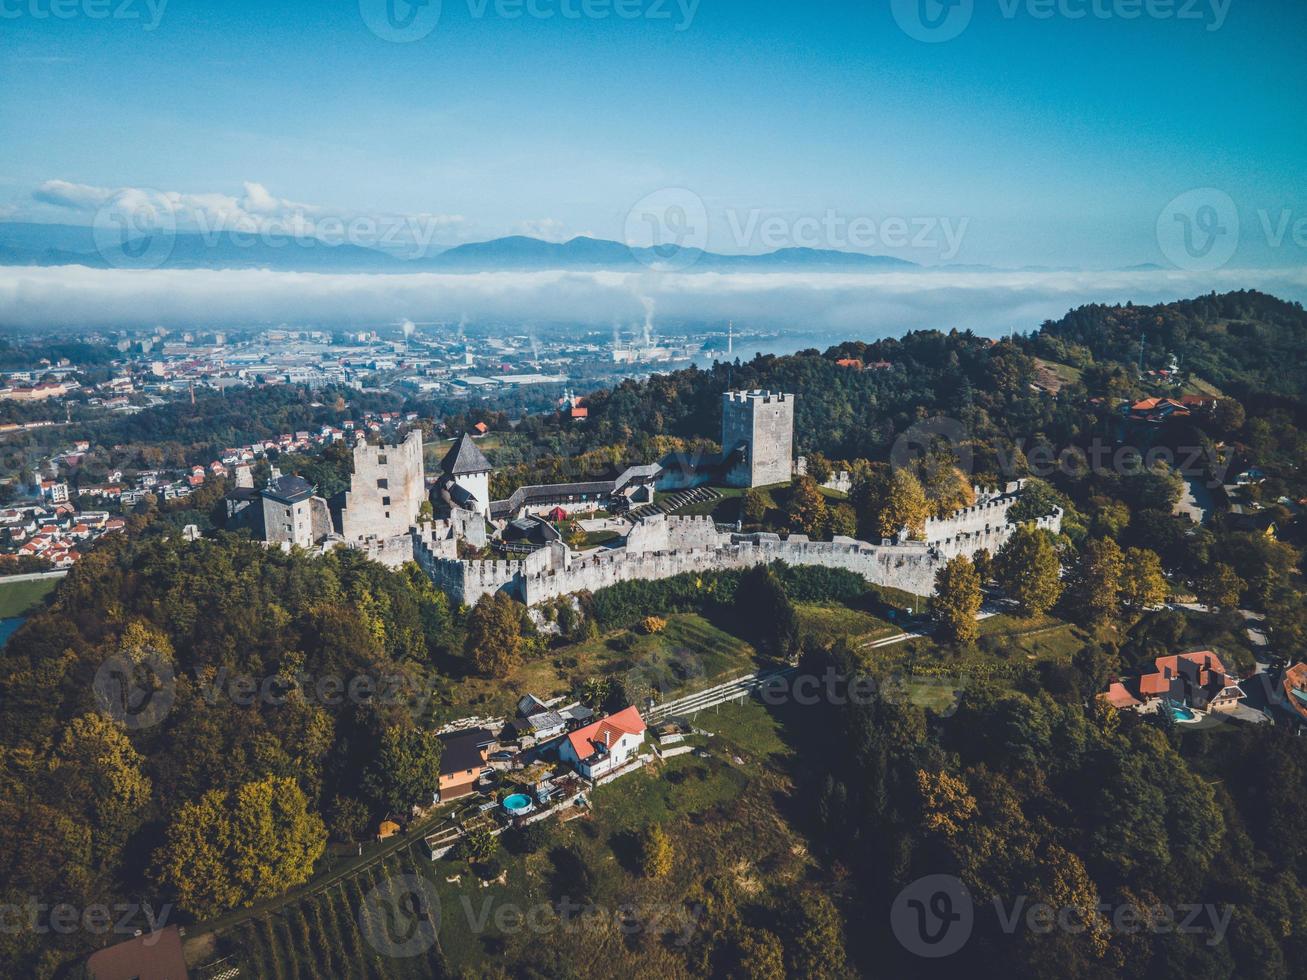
[(861, 305)]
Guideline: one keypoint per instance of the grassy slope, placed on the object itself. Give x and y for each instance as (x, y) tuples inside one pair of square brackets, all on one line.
[(720, 813), (17, 598)]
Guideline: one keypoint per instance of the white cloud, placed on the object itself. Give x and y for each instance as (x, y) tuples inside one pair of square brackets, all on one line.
[(850, 305), (76, 197), (257, 212)]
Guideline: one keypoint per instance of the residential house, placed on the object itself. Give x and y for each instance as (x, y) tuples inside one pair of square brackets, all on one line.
[(1295, 691), (1197, 679), (462, 762), (605, 745)]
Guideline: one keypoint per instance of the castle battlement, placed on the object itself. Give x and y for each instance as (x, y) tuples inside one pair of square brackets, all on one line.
[(665, 546)]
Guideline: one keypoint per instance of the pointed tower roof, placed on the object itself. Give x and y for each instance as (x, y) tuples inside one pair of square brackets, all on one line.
[(464, 457)]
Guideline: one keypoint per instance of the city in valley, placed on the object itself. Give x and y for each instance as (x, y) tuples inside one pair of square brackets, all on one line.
[(639, 489)]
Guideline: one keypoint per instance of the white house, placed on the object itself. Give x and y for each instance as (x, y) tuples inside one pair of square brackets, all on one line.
[(604, 745)]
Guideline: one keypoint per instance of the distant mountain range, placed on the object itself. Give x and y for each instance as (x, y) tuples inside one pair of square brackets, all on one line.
[(23, 243)]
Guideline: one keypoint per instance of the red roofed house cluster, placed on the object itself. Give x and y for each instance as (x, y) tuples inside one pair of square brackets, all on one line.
[(1198, 680)]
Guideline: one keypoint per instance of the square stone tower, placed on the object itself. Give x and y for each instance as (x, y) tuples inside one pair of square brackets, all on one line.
[(757, 437), (386, 491)]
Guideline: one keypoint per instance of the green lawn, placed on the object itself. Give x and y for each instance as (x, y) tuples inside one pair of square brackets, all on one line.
[(19, 598), (1039, 638), (688, 655), (827, 622)]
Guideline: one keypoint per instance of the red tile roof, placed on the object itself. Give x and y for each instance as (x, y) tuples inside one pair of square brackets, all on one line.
[(1295, 689), (605, 732)]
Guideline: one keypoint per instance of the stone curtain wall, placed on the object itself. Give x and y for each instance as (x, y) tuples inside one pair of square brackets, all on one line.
[(663, 547)]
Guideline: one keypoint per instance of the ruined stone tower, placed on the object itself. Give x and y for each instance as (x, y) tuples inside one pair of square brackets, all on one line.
[(757, 437), (386, 491)]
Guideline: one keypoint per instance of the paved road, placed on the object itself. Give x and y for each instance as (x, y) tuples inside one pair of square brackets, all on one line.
[(33, 576), (1195, 503)]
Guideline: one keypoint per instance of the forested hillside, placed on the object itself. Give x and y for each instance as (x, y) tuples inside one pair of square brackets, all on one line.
[(1246, 343)]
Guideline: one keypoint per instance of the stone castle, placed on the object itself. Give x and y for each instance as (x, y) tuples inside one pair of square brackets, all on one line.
[(381, 514)]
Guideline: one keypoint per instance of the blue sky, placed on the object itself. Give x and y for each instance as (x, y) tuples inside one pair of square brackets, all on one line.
[(1058, 140)]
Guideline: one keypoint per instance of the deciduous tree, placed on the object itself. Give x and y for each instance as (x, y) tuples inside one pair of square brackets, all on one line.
[(494, 635), (657, 857), (1028, 570), (234, 848), (1142, 582), (957, 600), (805, 510), (1098, 581)]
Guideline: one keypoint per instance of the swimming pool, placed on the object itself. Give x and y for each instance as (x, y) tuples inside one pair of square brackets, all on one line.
[(517, 804), (1181, 711)]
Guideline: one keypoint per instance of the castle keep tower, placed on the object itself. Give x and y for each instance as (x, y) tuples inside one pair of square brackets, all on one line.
[(386, 491), (757, 437)]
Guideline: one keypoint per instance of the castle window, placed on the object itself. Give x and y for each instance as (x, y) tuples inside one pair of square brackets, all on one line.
[(383, 484), (385, 501), (381, 460)]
